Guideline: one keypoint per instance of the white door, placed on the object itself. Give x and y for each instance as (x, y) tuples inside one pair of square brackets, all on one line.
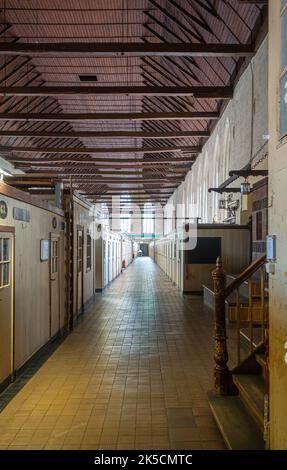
[(6, 305), (80, 270), (55, 322)]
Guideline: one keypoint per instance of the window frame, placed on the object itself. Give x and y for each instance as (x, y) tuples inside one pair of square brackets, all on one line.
[(88, 252), (5, 261)]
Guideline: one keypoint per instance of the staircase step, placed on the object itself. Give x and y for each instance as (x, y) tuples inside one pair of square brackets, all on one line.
[(251, 391), (260, 358), (235, 424)]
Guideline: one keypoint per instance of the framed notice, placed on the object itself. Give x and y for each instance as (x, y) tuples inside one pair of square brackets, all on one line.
[(44, 250)]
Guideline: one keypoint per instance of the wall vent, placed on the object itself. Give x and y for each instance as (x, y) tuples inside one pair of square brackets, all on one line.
[(88, 78)]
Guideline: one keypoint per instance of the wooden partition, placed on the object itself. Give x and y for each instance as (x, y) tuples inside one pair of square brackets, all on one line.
[(38, 276), (231, 242), (84, 259), (189, 266)]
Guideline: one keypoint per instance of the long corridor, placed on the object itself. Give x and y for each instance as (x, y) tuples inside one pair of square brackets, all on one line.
[(133, 375)]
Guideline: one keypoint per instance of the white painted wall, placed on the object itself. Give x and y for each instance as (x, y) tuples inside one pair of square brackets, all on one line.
[(229, 147), (277, 226)]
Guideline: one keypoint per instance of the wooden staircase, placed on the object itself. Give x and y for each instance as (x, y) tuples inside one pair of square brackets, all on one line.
[(249, 298), (239, 401)]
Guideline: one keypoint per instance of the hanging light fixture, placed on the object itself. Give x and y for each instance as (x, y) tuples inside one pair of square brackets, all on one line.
[(245, 188)]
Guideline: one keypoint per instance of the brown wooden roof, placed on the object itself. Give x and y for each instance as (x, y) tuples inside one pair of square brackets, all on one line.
[(116, 22)]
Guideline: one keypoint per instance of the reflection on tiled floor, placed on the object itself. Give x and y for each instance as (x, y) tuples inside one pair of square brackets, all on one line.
[(132, 375)]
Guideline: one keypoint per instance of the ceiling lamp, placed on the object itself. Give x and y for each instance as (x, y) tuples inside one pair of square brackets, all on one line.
[(245, 188)]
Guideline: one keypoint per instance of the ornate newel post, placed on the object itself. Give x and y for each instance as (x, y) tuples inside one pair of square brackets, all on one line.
[(223, 384)]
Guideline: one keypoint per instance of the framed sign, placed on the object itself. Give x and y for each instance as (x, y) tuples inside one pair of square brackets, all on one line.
[(3, 210), (44, 250), (271, 247)]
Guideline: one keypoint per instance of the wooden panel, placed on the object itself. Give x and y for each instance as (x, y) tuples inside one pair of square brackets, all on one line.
[(32, 305)]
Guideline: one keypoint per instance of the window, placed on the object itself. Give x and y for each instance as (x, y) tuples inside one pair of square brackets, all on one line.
[(126, 223), (80, 252), (283, 71), (148, 219), (89, 252), (259, 228), (5, 262), (54, 256)]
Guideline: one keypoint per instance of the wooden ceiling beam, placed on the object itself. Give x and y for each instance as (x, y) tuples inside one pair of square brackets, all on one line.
[(125, 180), (199, 92), (132, 193), (110, 174), (94, 150), (152, 116), (103, 169), (259, 2), (103, 134), (101, 163), (127, 49)]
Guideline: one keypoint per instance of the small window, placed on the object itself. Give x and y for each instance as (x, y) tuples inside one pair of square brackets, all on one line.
[(259, 228), (54, 256), (5, 262), (89, 252), (80, 252)]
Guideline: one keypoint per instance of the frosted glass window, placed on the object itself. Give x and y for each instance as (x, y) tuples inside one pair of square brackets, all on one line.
[(284, 40), (4, 262), (148, 219), (283, 105)]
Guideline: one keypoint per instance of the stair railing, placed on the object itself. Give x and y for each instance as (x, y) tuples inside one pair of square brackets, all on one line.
[(223, 383)]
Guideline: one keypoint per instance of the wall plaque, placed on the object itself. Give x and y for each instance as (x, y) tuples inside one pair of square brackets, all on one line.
[(3, 210), (44, 250), (21, 214)]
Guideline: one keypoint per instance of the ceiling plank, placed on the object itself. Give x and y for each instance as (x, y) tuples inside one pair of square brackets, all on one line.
[(127, 49), (199, 92), (153, 116), (95, 150)]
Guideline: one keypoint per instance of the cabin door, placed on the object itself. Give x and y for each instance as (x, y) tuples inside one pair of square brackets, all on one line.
[(55, 319), (6, 306), (80, 270)]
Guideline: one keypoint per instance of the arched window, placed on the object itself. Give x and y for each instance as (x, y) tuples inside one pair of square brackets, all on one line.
[(199, 188), (148, 219), (205, 185), (216, 171), (226, 151), (105, 215), (126, 214)]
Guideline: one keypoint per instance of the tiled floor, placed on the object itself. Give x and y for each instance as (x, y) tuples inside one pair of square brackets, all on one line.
[(132, 375)]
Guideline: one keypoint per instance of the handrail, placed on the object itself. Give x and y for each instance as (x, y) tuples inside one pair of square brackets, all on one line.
[(223, 383), (246, 274)]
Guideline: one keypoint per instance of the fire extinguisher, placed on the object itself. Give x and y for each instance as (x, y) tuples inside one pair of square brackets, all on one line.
[(123, 264)]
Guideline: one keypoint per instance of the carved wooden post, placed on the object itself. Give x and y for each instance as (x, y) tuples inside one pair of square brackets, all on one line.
[(223, 384)]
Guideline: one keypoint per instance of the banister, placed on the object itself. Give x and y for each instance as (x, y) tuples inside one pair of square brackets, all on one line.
[(246, 274), (223, 382)]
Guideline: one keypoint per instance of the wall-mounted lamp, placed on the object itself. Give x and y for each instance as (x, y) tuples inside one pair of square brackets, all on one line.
[(245, 188)]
